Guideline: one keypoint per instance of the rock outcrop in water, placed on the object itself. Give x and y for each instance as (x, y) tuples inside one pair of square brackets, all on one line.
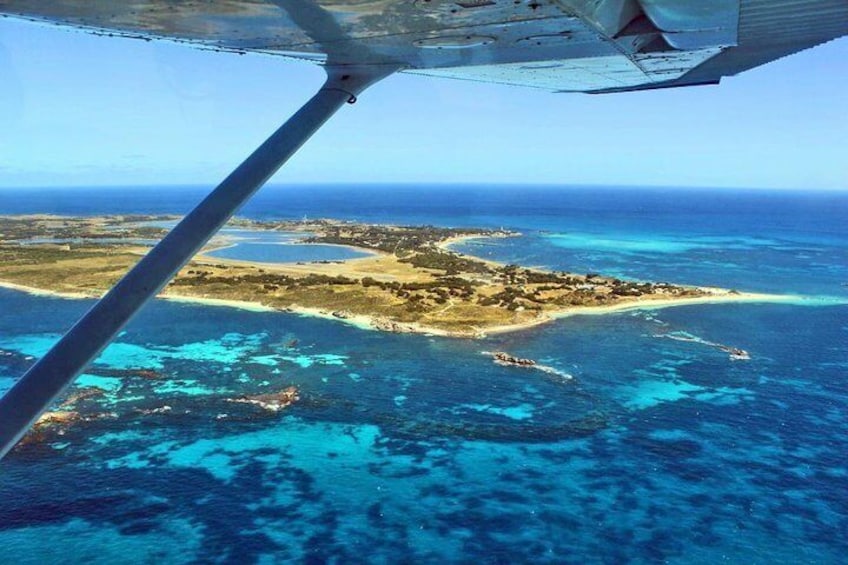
[(273, 402), (502, 358), (507, 360), (735, 353)]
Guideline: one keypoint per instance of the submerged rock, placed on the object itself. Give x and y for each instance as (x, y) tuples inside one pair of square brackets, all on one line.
[(54, 424), (146, 374), (164, 409), (57, 418), (80, 395), (273, 402)]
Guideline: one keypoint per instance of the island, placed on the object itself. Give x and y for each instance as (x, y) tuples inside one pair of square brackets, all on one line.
[(411, 280)]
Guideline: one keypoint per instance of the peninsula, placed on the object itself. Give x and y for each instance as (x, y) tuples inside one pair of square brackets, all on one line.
[(410, 281)]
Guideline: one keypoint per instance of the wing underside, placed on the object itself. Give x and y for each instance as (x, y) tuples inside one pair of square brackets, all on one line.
[(560, 45)]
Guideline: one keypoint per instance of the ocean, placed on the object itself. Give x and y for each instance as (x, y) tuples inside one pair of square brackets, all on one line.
[(413, 448)]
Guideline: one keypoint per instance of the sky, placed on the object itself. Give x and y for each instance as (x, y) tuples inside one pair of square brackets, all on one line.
[(83, 110)]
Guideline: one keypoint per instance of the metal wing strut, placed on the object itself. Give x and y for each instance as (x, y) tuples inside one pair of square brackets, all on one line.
[(21, 406)]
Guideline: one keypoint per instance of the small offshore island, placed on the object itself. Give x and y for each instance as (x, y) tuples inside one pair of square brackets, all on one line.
[(410, 282)]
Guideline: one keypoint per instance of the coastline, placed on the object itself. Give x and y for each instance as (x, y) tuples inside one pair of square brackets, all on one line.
[(446, 243), (370, 323), (35, 291), (239, 304), (379, 323), (395, 294), (724, 297), (453, 240), (361, 321)]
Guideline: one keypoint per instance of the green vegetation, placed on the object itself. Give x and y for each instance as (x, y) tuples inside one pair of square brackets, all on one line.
[(446, 261), (397, 240), (75, 230)]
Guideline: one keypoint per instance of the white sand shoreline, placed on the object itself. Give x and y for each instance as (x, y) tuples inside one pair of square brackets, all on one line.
[(51, 293), (379, 323), (240, 304)]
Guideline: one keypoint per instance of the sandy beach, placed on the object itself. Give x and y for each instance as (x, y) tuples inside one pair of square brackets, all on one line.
[(447, 242), (240, 304), (721, 296), (365, 322), (380, 323), (42, 292)]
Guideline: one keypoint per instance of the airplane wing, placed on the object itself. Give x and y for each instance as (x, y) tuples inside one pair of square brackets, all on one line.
[(559, 45)]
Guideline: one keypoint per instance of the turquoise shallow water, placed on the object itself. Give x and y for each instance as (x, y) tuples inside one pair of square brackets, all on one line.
[(414, 448)]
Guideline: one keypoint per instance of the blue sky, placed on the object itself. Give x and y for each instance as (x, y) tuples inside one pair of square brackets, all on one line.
[(78, 109)]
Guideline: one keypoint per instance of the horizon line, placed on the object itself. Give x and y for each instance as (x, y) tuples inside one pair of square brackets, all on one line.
[(434, 184)]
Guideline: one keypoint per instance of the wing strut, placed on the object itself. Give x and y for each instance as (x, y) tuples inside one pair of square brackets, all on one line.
[(45, 381)]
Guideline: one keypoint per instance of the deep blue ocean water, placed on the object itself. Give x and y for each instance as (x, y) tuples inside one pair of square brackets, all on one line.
[(416, 448)]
